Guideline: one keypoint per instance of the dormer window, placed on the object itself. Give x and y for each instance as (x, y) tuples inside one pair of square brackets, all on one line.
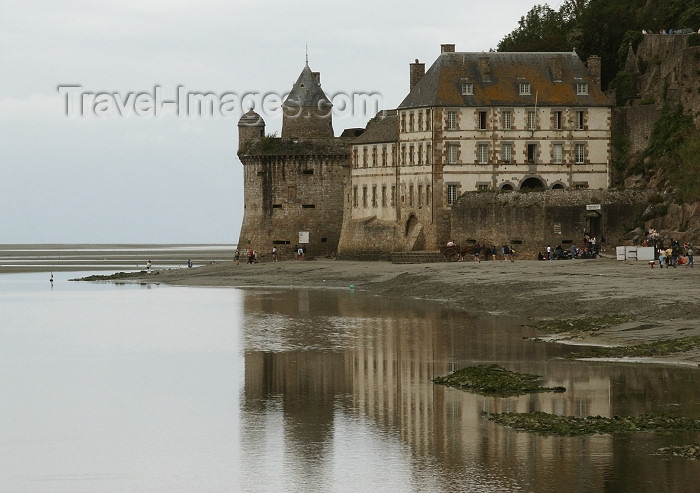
[(467, 89), (524, 88), (581, 88)]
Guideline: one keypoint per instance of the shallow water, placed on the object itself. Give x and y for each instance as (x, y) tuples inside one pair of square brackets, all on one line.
[(167, 389)]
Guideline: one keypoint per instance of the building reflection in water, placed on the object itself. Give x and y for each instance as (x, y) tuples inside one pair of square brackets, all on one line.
[(311, 355)]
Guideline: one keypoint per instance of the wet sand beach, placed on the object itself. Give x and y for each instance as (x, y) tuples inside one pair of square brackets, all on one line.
[(660, 303)]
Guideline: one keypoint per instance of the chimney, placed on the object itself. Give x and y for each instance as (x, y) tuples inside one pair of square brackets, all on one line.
[(447, 48), (417, 72), (485, 68), (555, 68), (593, 64), (317, 77)]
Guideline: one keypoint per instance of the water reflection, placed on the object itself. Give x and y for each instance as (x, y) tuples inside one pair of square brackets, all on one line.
[(338, 396)]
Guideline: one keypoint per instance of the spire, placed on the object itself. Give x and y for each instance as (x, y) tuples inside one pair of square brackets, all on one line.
[(307, 54), (307, 109)]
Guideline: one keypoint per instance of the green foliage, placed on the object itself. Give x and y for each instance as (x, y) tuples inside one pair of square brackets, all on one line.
[(690, 16), (669, 132), (542, 29), (686, 179), (630, 38), (600, 27), (625, 85), (674, 149)]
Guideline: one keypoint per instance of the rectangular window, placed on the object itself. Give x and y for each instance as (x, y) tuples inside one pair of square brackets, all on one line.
[(556, 120), (580, 153), (506, 120), (428, 153), (403, 155), (524, 88), (420, 121), (557, 153), (531, 153), (531, 120), (481, 187), (580, 120), (427, 120), (374, 195), (506, 152), (420, 195), (393, 195), (420, 154), (581, 186), (383, 195), (354, 157), (482, 120), (403, 122), (483, 153), (374, 156), (467, 89), (410, 195), (452, 153), (384, 163), (411, 153), (410, 122), (364, 196), (581, 88), (451, 194), (364, 157), (354, 196), (427, 195), (451, 120)]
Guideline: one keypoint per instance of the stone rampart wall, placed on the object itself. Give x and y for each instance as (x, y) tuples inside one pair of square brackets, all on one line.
[(531, 221)]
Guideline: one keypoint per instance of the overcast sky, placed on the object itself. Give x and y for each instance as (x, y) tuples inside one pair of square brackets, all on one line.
[(128, 171)]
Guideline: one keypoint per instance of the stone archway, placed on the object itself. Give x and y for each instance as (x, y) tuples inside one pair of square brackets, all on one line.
[(410, 224), (507, 187), (558, 186), (415, 238), (532, 183)]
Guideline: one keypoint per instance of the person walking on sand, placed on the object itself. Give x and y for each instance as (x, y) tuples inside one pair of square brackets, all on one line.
[(274, 254), (148, 266), (237, 256), (690, 253)]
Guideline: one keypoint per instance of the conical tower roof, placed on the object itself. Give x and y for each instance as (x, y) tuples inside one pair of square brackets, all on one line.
[(307, 91), (251, 119)]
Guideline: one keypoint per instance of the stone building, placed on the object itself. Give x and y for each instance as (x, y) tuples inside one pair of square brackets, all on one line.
[(474, 122), (293, 185)]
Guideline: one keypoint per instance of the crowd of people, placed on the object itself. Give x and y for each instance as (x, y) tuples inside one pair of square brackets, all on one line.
[(299, 252), (591, 249), (670, 31)]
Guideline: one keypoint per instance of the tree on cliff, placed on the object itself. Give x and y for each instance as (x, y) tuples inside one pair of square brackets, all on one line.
[(598, 27)]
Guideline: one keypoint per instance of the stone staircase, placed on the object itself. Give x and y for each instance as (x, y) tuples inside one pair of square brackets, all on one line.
[(417, 257)]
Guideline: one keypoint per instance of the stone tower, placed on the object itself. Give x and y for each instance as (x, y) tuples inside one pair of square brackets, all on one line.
[(251, 126), (306, 113), (294, 184)]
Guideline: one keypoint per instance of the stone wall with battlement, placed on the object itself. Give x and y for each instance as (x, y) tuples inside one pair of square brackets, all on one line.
[(292, 187)]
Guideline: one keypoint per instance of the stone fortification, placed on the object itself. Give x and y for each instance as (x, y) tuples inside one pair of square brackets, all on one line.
[(531, 221), (291, 187), (666, 71)]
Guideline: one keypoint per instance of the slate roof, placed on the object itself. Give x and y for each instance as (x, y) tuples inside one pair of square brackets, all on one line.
[(251, 119), (307, 91), (496, 77), (384, 127)]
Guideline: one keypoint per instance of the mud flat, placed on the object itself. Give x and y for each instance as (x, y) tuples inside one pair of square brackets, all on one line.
[(657, 304)]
